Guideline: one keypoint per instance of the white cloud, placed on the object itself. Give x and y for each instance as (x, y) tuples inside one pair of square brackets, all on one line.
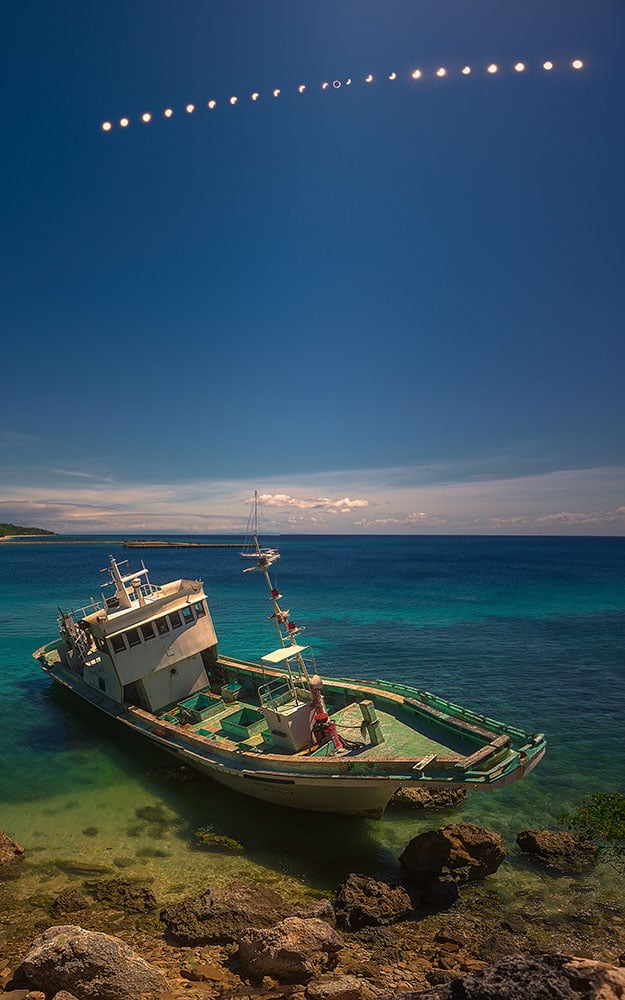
[(344, 506)]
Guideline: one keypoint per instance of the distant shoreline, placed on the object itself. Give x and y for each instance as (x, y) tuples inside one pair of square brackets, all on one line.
[(42, 540)]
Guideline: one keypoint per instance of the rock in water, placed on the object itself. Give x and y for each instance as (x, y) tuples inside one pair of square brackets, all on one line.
[(538, 977), (11, 853), (91, 965), (441, 893), (462, 850), (563, 851), (123, 895), (69, 901), (219, 915), (293, 951), (428, 798), (363, 902)]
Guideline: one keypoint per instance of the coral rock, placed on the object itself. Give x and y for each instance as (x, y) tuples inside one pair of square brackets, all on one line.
[(92, 965), (428, 798), (462, 850), (335, 988), (219, 915), (363, 902), (11, 853), (563, 851), (293, 951), (120, 894), (539, 977), (69, 901)]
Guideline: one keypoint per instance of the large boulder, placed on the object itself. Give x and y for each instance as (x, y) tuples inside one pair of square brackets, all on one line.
[(538, 977), (363, 902), (563, 851), (462, 850), (293, 951), (219, 915), (11, 853), (421, 797), (90, 965)]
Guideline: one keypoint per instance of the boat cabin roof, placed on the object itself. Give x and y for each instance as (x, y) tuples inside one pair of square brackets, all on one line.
[(284, 653)]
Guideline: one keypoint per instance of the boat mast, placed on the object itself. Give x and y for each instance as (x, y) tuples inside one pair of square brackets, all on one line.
[(287, 630)]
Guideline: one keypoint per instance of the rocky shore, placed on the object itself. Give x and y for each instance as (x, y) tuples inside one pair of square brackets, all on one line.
[(443, 933)]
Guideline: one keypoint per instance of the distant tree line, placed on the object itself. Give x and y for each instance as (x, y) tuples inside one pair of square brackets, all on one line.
[(18, 529)]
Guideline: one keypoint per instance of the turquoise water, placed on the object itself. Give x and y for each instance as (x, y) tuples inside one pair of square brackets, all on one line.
[(529, 630)]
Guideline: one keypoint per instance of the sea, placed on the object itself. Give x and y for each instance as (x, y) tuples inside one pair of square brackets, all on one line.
[(529, 630)]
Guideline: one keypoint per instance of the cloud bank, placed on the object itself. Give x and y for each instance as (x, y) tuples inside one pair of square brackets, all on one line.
[(399, 501)]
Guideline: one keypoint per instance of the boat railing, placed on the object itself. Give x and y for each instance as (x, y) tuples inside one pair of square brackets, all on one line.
[(147, 590), (467, 714), (274, 693), (75, 614)]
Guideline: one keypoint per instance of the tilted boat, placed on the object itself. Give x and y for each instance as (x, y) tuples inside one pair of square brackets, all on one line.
[(147, 656)]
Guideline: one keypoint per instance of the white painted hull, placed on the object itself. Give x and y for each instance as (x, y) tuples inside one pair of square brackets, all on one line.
[(270, 779), (358, 796)]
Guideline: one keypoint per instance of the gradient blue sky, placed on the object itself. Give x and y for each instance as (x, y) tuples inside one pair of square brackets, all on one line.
[(390, 307)]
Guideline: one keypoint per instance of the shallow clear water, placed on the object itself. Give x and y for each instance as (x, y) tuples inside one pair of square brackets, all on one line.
[(529, 630)]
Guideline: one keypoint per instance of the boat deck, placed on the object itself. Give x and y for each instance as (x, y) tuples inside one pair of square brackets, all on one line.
[(406, 734)]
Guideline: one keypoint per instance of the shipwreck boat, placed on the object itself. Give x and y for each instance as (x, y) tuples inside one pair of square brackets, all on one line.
[(148, 657)]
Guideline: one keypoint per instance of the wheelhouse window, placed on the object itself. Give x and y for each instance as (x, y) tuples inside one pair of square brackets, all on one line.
[(200, 610), (187, 615), (147, 631), (134, 639), (118, 643), (162, 626), (175, 619)]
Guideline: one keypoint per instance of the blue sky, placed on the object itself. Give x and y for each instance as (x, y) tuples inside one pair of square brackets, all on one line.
[(394, 306)]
